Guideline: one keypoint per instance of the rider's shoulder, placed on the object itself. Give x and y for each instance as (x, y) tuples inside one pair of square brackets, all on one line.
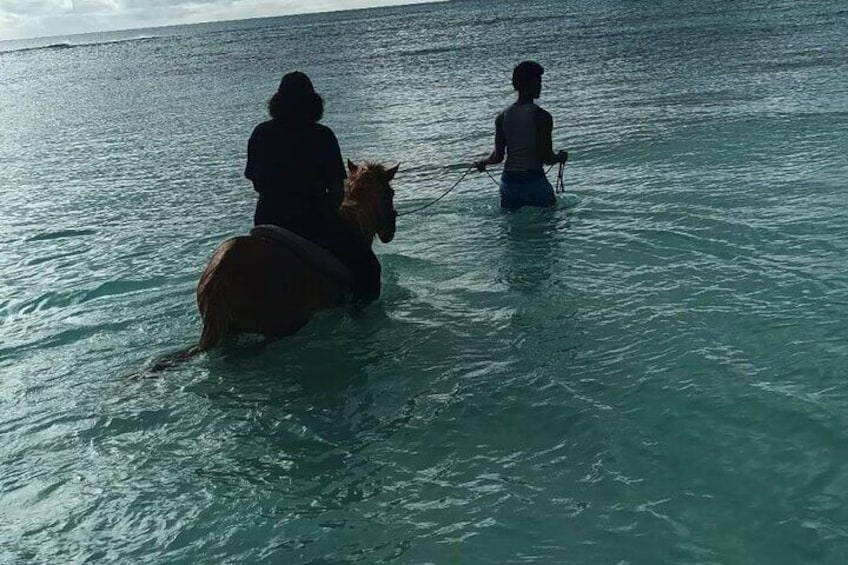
[(263, 128), (324, 131)]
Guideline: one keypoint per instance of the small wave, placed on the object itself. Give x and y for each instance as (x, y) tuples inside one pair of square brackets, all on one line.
[(46, 301), (62, 45), (428, 51), (119, 287), (61, 234), (38, 260), (51, 47), (58, 339)]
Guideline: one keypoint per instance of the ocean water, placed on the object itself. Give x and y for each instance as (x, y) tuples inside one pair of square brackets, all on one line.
[(654, 372)]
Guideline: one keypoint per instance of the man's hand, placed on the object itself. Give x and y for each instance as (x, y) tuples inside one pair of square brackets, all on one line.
[(562, 156), (481, 165)]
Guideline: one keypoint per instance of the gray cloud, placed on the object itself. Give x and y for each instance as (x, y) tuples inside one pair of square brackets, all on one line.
[(34, 18)]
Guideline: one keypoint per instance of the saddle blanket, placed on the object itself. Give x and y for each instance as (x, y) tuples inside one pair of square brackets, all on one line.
[(315, 255)]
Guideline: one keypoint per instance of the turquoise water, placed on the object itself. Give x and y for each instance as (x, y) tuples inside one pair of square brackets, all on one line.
[(654, 372)]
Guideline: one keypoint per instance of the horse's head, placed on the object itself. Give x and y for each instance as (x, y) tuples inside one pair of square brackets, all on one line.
[(368, 191)]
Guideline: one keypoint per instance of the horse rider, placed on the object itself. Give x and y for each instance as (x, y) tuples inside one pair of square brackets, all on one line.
[(296, 167)]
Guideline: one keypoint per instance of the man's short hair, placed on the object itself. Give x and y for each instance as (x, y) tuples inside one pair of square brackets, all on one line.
[(525, 73)]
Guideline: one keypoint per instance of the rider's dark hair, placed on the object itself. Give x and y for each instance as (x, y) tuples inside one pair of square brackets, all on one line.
[(296, 100)]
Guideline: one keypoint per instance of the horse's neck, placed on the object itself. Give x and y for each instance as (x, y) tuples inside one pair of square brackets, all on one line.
[(360, 217)]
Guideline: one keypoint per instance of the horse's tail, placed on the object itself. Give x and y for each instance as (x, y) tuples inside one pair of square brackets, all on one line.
[(171, 360), (214, 310), (165, 362), (212, 305)]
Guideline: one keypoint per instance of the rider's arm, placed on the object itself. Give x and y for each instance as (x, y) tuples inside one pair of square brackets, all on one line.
[(335, 193), (250, 166), (336, 172)]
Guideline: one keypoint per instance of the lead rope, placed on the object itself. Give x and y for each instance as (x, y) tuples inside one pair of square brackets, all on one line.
[(493, 178), (448, 191), (560, 185)]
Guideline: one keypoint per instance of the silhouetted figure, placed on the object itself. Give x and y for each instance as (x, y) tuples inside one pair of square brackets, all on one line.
[(296, 166), (523, 132)]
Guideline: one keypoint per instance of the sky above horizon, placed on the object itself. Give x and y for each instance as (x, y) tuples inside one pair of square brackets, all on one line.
[(23, 19)]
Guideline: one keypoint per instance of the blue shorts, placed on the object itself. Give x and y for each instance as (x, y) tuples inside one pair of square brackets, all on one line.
[(526, 188)]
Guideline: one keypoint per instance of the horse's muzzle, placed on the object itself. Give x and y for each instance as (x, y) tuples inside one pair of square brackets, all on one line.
[(387, 232)]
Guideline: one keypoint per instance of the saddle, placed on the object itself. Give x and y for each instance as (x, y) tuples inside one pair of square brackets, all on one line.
[(314, 255)]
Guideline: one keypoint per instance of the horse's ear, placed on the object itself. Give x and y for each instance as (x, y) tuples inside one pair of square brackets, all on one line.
[(390, 174), (351, 166)]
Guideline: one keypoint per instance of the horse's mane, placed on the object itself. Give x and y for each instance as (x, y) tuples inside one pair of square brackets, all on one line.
[(362, 193), (365, 182)]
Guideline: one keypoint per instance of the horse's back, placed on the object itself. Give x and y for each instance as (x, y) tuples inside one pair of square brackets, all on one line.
[(260, 286), (268, 269)]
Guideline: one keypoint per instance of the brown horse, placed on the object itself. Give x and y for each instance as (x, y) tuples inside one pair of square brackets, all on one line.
[(257, 285)]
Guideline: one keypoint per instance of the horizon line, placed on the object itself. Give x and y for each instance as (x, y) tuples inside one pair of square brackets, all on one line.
[(246, 19)]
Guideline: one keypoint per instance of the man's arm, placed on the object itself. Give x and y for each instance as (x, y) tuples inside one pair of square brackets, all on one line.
[(545, 128), (497, 154)]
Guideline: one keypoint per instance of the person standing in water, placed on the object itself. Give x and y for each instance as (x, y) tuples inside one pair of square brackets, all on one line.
[(523, 133), (296, 167)]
